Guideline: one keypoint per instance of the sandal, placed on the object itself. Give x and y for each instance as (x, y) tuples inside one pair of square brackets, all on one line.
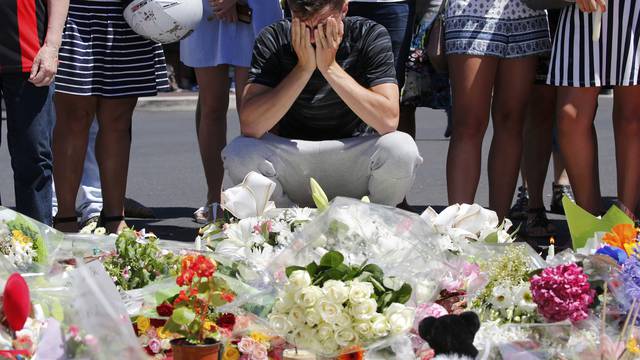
[(104, 220), (66, 220)]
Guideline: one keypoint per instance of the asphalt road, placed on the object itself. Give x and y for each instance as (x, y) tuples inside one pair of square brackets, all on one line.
[(166, 172)]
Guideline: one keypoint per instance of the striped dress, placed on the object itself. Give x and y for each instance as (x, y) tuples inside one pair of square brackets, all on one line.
[(101, 56), (613, 60)]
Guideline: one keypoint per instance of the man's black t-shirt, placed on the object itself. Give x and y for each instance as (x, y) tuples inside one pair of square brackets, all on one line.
[(319, 113), (22, 30)]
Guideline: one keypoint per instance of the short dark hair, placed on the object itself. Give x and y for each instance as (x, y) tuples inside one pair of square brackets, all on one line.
[(307, 8)]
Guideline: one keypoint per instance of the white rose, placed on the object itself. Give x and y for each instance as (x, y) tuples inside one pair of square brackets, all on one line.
[(309, 296), (307, 338), (364, 310), (380, 325), (364, 329), (299, 279), (400, 318), (342, 320), (280, 323), (359, 291), (296, 316), (329, 346), (328, 310), (283, 304), (325, 331), (312, 317), (336, 291), (345, 337)]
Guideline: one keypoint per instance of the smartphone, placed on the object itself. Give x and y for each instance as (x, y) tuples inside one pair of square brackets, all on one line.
[(245, 13)]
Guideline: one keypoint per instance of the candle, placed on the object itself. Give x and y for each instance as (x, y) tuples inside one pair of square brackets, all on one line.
[(198, 243), (552, 248), (597, 25), (297, 354)]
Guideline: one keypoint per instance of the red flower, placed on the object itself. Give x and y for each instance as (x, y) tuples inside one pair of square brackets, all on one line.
[(181, 297), (228, 297), (226, 321), (203, 267), (187, 262), (165, 309)]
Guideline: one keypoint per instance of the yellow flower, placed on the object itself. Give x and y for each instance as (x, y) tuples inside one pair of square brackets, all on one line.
[(230, 353), (622, 236), (210, 325), (143, 324), (162, 333), (20, 237), (632, 346), (260, 337)]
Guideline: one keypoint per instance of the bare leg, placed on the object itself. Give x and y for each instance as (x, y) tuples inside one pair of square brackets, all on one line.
[(626, 122), (472, 79), (514, 81), (74, 115), (212, 127), (537, 141), (113, 146), (575, 112), (560, 176)]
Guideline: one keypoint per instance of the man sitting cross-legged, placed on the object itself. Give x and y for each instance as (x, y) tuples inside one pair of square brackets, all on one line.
[(318, 82)]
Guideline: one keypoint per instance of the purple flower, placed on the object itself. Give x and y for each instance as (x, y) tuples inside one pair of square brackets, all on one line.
[(154, 346), (615, 253), (631, 277)]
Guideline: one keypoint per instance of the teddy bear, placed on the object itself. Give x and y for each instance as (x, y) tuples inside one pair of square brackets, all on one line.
[(451, 335)]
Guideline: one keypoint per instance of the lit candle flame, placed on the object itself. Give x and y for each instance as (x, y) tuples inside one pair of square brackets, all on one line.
[(552, 241)]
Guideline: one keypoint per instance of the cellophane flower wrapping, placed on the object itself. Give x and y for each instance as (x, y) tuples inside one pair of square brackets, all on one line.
[(401, 244), (26, 242), (80, 312)]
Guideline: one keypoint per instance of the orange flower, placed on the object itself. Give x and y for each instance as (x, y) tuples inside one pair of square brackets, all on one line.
[(352, 354), (623, 236)]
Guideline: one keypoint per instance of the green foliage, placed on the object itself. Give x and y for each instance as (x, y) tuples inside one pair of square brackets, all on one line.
[(332, 267), (139, 262)]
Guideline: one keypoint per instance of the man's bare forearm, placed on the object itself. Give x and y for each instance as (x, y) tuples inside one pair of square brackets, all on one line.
[(57, 10), (376, 110), (261, 111)]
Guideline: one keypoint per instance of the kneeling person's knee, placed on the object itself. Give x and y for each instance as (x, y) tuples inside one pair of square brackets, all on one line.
[(397, 154)]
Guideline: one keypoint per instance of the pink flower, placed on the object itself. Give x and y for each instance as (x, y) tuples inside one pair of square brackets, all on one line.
[(247, 345), (562, 292), (154, 345), (427, 354), (245, 357), (259, 352), (429, 309), (74, 331), (242, 323), (90, 340)]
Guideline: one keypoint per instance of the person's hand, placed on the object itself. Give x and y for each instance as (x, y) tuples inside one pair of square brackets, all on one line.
[(225, 10), (590, 6), (45, 66), (301, 41), (328, 39)]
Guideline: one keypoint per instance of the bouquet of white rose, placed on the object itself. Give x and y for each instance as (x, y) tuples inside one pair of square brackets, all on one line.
[(331, 307)]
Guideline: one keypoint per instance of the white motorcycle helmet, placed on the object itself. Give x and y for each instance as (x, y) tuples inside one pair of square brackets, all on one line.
[(164, 21)]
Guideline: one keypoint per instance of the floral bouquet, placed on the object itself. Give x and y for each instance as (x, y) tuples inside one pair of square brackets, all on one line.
[(457, 225), (368, 250), (192, 312), (138, 260), (254, 345), (331, 307), (25, 241)]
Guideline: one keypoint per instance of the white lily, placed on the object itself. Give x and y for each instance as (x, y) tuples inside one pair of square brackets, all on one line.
[(251, 198)]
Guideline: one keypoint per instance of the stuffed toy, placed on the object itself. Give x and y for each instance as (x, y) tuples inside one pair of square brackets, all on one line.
[(451, 335)]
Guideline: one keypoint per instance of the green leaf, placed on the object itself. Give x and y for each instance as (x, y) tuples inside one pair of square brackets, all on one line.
[(374, 270), (312, 269), (332, 259), (403, 295), (183, 316), (384, 301), (491, 238), (318, 195), (290, 269)]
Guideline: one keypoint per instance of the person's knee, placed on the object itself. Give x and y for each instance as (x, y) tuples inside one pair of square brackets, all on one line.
[(628, 120), (245, 154), (397, 155)]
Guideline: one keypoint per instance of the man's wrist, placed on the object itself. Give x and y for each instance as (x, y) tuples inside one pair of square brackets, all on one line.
[(331, 70), (53, 42), (302, 70)]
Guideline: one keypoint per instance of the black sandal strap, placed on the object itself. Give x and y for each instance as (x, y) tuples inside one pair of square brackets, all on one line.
[(64, 220), (103, 220)]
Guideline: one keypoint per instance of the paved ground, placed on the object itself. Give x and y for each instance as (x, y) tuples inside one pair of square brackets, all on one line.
[(166, 172)]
